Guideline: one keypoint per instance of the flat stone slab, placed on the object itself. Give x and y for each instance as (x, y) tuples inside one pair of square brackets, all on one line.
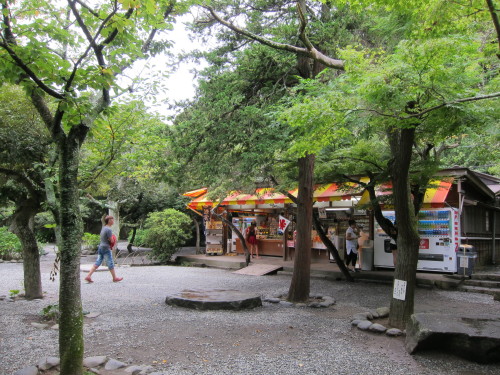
[(259, 269), (475, 337), (214, 299)]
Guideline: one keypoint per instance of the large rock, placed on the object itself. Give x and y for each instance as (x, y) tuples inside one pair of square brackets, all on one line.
[(476, 338)]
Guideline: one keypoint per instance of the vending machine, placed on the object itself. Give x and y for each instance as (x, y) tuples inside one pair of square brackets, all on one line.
[(439, 241)]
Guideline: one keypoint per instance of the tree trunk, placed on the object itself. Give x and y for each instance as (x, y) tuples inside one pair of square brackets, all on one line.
[(23, 227), (331, 248), (401, 143), (238, 233), (300, 285), (114, 210), (70, 303), (197, 226), (132, 239)]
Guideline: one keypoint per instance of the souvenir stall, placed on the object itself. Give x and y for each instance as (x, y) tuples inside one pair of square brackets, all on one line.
[(460, 208)]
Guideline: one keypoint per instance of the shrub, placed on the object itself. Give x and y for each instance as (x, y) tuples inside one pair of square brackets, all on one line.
[(91, 241), (51, 312), (10, 247), (140, 237), (166, 231), (45, 227)]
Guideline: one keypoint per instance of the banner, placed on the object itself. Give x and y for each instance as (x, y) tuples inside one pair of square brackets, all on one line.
[(282, 224)]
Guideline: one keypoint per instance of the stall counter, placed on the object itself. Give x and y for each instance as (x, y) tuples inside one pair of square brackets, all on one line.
[(268, 246)]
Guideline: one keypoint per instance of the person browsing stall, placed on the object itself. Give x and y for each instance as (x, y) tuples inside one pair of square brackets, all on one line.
[(351, 237), (251, 238)]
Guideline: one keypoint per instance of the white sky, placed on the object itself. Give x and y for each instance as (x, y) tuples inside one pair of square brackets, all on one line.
[(181, 84)]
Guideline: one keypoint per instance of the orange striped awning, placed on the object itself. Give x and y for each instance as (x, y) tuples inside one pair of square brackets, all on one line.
[(322, 193), (435, 195), (195, 193)]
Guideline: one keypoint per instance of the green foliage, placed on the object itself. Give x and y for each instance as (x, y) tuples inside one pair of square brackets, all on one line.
[(10, 246), (166, 231), (466, 153), (45, 227), (91, 241), (14, 292), (50, 312), (228, 137), (125, 143), (140, 238)]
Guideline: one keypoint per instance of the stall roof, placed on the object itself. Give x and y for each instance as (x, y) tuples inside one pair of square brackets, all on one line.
[(195, 193), (322, 193), (435, 195)]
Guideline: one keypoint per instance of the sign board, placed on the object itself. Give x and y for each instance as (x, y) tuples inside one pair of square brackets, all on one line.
[(399, 291), (322, 212)]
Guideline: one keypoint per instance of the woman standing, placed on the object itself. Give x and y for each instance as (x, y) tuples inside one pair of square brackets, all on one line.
[(351, 236), (251, 237)]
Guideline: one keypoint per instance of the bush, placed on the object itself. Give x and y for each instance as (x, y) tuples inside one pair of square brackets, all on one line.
[(10, 247), (51, 312), (166, 231), (140, 238), (45, 227), (91, 241)]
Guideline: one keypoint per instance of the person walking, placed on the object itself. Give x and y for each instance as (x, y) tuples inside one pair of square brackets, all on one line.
[(108, 241), (351, 236)]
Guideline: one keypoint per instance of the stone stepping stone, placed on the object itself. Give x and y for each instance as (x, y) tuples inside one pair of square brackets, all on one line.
[(378, 328), (393, 332), (48, 362), (114, 364), (215, 299), (96, 361), (364, 325)]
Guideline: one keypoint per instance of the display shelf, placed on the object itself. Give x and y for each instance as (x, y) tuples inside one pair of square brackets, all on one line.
[(214, 238), (434, 223)]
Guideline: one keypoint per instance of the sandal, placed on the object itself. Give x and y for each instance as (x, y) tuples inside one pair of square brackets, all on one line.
[(89, 280)]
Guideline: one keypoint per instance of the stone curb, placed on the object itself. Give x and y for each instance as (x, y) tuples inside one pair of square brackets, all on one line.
[(363, 321), (93, 364)]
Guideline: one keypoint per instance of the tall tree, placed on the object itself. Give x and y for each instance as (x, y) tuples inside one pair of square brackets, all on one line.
[(262, 158), (410, 93), (72, 53), (23, 167)]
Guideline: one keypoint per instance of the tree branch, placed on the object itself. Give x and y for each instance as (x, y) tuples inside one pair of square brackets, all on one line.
[(312, 53), (151, 36), (21, 178), (496, 22), (20, 63), (425, 111)]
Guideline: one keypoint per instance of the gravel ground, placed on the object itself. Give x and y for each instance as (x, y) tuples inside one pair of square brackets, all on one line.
[(136, 326)]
